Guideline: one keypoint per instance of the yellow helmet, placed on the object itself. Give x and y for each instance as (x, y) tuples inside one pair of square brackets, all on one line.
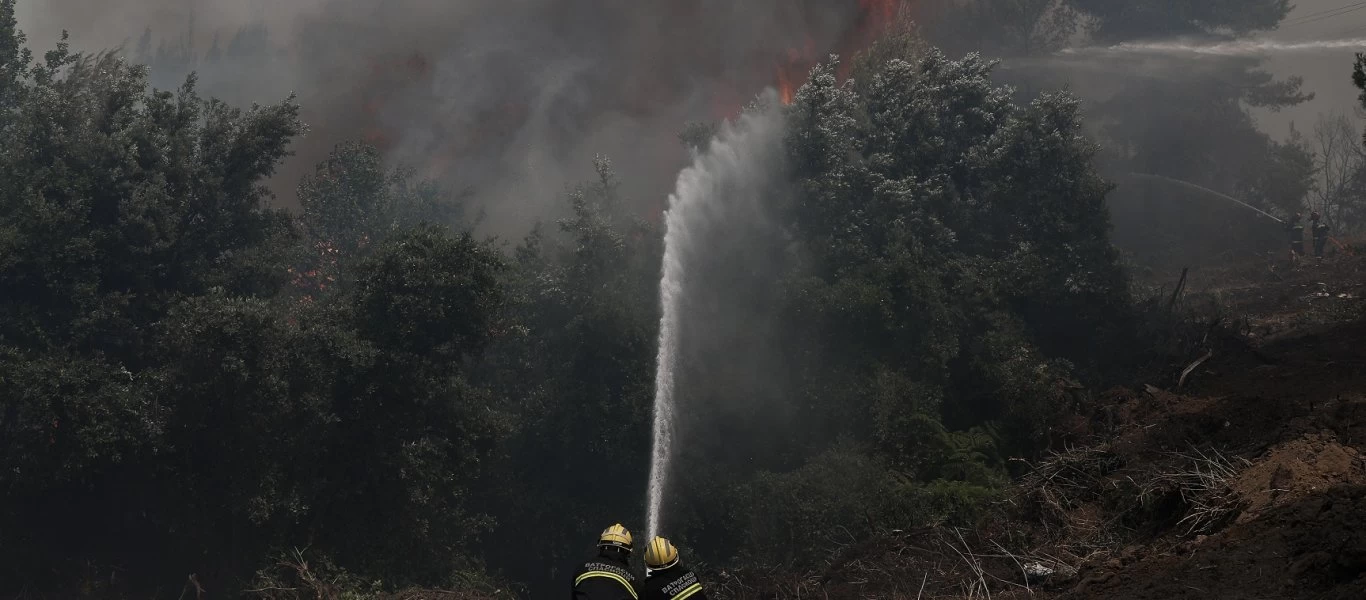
[(660, 554), (615, 536)]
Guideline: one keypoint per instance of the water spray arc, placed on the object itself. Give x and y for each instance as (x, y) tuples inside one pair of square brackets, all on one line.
[(1233, 48), (670, 292), (725, 183), (1189, 185)]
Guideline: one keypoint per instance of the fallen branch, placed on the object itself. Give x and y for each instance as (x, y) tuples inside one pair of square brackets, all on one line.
[(198, 589), (974, 565), (1024, 575), (1180, 286), (1199, 361)]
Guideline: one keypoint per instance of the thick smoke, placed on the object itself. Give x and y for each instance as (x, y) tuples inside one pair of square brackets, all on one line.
[(510, 99)]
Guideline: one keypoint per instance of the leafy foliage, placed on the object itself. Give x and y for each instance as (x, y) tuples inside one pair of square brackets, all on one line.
[(1134, 19), (580, 365), (953, 275), (1177, 117), (1283, 178), (1359, 77), (172, 399), (947, 225), (352, 197), (1009, 27)]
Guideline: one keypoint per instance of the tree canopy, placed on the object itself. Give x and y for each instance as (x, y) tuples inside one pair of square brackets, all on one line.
[(1180, 117)]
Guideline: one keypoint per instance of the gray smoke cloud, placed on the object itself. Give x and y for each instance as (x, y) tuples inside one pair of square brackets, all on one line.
[(508, 98), (1326, 73)]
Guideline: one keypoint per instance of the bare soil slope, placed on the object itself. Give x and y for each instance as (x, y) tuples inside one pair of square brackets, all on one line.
[(1275, 433)]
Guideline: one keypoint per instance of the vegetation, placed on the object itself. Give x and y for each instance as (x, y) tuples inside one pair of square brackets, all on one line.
[(364, 396), (1189, 120)]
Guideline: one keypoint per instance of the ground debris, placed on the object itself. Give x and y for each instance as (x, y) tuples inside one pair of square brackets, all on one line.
[(1246, 482)]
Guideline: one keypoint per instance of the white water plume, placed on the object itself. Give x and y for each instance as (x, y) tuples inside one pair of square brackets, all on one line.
[(729, 181), (1230, 48)]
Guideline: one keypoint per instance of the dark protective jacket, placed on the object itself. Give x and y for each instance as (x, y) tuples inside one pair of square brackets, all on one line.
[(1320, 238), (1320, 231), (675, 583), (605, 577)]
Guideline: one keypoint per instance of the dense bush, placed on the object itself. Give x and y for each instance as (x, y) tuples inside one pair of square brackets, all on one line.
[(952, 277), (957, 252), (182, 393)]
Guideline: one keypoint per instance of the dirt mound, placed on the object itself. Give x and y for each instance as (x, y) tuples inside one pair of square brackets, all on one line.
[(1313, 548), (1296, 470), (1271, 433)]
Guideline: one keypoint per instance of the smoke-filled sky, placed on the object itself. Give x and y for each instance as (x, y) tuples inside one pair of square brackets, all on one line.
[(1327, 73), (512, 98)]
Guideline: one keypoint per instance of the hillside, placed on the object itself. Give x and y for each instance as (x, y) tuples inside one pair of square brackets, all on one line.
[(1247, 482)]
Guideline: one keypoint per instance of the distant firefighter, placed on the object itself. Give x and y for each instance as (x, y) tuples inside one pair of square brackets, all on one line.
[(1320, 231), (665, 576), (1295, 227)]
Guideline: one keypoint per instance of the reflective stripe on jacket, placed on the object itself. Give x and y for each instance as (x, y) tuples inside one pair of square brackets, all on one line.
[(675, 583), (603, 578)]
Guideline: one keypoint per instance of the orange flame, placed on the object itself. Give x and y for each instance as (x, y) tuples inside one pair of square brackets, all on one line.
[(876, 17), (884, 10), (785, 90), (793, 71)]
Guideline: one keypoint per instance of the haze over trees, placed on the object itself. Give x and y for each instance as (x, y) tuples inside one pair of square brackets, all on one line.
[(195, 382), (1189, 120)]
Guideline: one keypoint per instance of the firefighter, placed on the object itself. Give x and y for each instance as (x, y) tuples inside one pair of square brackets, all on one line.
[(1296, 230), (607, 576), (665, 576), (1320, 232)]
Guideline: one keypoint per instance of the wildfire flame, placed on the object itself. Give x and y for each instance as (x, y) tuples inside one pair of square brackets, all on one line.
[(394, 83), (785, 90), (884, 10), (875, 17), (793, 71)]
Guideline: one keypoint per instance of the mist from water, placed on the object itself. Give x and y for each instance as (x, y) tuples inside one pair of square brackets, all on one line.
[(726, 183)]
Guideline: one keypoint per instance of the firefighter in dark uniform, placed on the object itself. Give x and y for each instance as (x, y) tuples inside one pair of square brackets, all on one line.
[(1296, 230), (1320, 232), (665, 577), (607, 576)]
